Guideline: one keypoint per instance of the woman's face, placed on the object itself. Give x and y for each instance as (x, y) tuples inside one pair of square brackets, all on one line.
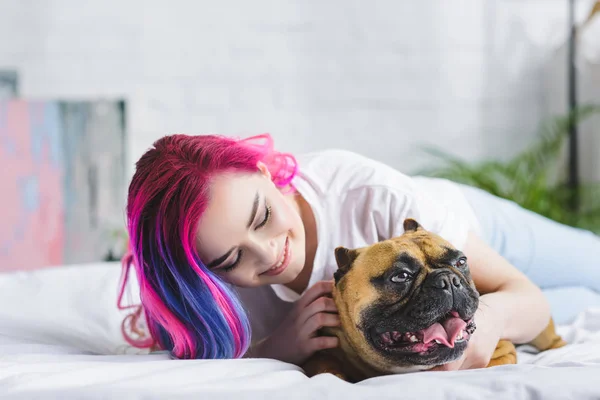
[(251, 234)]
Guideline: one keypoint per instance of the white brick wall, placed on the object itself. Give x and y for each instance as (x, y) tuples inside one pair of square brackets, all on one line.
[(378, 77)]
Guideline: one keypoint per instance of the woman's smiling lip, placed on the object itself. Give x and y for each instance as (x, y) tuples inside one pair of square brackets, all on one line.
[(283, 262)]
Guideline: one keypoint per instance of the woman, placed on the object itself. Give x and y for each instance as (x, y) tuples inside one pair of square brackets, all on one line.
[(209, 213)]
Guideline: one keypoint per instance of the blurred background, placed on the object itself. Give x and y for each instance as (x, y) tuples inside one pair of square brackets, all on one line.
[(479, 91)]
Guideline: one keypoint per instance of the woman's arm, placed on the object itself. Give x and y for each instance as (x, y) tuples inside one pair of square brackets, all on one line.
[(511, 307), (519, 307)]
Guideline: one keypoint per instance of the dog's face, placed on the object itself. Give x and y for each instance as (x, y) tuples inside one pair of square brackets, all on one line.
[(407, 303)]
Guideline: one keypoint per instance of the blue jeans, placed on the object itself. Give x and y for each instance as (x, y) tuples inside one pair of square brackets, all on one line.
[(563, 261)]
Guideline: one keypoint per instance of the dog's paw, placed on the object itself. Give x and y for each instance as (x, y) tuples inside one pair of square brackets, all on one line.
[(505, 353)]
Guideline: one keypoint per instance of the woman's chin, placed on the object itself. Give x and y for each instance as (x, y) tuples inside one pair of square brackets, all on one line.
[(291, 273)]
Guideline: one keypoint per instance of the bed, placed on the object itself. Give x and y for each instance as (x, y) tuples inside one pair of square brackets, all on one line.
[(60, 338)]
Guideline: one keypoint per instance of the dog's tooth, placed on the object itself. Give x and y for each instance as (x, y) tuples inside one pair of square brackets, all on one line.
[(396, 335), (413, 339), (386, 338), (437, 341)]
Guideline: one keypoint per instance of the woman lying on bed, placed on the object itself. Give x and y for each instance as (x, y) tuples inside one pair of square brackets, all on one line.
[(206, 213)]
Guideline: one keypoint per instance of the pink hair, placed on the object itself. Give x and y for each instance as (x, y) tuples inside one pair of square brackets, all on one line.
[(189, 310)]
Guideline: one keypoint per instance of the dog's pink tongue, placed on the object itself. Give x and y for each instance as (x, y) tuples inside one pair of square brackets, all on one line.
[(446, 332)]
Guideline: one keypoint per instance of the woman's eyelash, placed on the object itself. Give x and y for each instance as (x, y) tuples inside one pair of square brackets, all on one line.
[(263, 223), (235, 263), (267, 217)]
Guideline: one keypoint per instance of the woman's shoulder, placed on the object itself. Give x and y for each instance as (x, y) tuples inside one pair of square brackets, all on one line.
[(336, 170), (329, 156), (338, 159)]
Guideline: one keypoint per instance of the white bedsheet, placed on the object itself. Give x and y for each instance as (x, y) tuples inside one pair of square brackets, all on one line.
[(60, 338)]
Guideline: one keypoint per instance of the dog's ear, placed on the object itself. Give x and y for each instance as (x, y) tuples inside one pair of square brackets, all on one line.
[(344, 258), (411, 225)]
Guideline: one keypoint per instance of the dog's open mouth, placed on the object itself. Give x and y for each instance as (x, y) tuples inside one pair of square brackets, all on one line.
[(449, 331)]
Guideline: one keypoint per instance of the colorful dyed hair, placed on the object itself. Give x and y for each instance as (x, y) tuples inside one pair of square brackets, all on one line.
[(189, 310)]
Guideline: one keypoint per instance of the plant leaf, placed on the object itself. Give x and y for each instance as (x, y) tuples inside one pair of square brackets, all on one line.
[(533, 178)]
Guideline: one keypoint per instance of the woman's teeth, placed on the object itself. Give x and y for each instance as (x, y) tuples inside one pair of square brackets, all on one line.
[(277, 266), (285, 252)]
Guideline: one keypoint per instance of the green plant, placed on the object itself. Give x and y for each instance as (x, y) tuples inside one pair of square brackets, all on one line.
[(534, 178)]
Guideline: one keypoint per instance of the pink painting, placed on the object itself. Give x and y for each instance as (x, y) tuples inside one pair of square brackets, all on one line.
[(31, 209)]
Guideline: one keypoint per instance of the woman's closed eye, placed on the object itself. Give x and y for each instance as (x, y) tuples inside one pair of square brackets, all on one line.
[(265, 220), (230, 267)]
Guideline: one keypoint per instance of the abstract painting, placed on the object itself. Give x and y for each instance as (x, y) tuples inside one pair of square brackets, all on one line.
[(63, 171)]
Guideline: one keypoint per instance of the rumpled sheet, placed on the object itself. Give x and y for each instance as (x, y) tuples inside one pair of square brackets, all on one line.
[(60, 339)]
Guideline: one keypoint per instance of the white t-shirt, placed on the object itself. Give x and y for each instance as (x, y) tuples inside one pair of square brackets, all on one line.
[(356, 202)]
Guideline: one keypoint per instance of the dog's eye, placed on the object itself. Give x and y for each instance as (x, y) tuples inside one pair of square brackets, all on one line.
[(401, 277), (461, 262)]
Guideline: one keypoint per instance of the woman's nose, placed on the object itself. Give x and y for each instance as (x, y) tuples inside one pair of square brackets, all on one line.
[(268, 251), (273, 251)]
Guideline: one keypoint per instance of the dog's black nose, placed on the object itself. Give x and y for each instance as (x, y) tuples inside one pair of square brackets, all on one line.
[(445, 281)]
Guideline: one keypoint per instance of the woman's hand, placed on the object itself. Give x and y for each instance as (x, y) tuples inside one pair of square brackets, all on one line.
[(505, 290), (482, 343), (296, 338), (501, 314)]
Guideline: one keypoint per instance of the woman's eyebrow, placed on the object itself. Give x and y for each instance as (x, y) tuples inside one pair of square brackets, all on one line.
[(219, 260), (224, 257), (254, 209)]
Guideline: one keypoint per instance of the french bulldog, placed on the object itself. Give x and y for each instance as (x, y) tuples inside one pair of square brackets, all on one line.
[(406, 304)]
